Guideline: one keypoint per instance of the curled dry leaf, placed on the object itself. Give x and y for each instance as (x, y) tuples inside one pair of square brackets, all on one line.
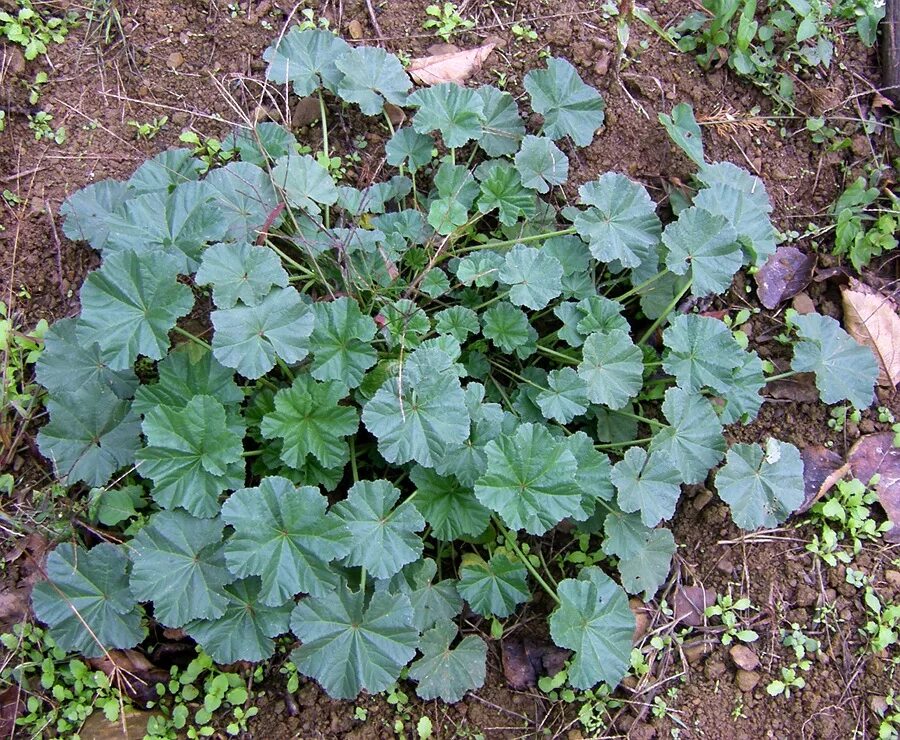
[(875, 453), (133, 673), (785, 274), (456, 66), (822, 468), (525, 660), (871, 318)]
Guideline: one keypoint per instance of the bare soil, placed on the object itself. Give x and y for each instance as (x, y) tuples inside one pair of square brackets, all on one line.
[(200, 63)]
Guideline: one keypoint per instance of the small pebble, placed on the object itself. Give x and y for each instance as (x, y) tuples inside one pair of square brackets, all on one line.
[(744, 657), (175, 60), (747, 680)]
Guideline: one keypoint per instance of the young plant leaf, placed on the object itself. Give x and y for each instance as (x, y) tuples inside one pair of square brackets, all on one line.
[(283, 534), (508, 328), (451, 509), (593, 471), (541, 164), (310, 420), (306, 59), (533, 277), (129, 306), (620, 222), (612, 367), (91, 434), (305, 183), (762, 486), (693, 441), (408, 147), (647, 568), (743, 399), (701, 352), (595, 621), (646, 483), (193, 454), (262, 144), (371, 77), (244, 196), (349, 645), (502, 127), (747, 213), (245, 629), (382, 538), (683, 130), (479, 269), (502, 189), (87, 212), (249, 338), (707, 245), (529, 480), (176, 554), (240, 272), (845, 370), (495, 587), (341, 342), (86, 601), (457, 321), (445, 673), (569, 107), (566, 396), (164, 172), (453, 110)]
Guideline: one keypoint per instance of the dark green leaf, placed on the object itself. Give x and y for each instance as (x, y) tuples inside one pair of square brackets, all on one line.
[(457, 321), (701, 353), (431, 602), (445, 673), (612, 367), (647, 568), (185, 374), (263, 144), (693, 442), (341, 342), (495, 587), (502, 128), (502, 189), (566, 396), (408, 147), (86, 600), (164, 172), (451, 510), (508, 328), (86, 213), (707, 245), (683, 130), (305, 182), (648, 484)]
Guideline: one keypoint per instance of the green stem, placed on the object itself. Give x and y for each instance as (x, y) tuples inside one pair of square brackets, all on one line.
[(637, 417), (620, 445), (195, 339), (638, 288), (292, 262), (521, 378), (498, 297), (558, 355), (513, 242), (325, 149), (362, 580), (665, 314), (353, 469), (780, 376), (387, 119), (252, 453), (524, 558), (285, 369)]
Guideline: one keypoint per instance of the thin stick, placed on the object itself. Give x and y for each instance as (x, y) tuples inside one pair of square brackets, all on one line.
[(374, 20)]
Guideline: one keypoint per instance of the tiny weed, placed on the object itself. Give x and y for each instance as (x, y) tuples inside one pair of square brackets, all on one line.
[(726, 609), (40, 124), (34, 89), (864, 230), (523, 32), (844, 515), (149, 129), (790, 681), (446, 21), (31, 31), (209, 150)]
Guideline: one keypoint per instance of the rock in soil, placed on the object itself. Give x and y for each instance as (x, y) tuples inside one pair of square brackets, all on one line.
[(744, 657), (746, 680)]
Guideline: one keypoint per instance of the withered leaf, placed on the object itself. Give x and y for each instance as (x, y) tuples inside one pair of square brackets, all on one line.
[(785, 274), (875, 453), (456, 66), (871, 319)]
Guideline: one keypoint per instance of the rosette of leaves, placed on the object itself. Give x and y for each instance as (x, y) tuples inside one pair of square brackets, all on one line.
[(291, 390)]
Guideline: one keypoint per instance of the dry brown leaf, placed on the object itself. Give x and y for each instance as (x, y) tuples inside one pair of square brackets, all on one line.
[(871, 319), (456, 66), (822, 468), (875, 454)]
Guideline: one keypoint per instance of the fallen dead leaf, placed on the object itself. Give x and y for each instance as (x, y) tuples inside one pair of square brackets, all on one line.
[(97, 727), (871, 319), (803, 304), (801, 388), (12, 706), (785, 274), (875, 454), (525, 660), (822, 468), (690, 602), (133, 673), (457, 66)]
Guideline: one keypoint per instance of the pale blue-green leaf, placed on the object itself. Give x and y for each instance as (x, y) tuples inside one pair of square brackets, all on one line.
[(612, 367), (249, 338), (341, 342), (348, 645), (845, 370), (304, 182), (763, 486), (86, 601), (566, 396), (748, 215), (246, 628), (87, 212), (445, 673), (502, 189), (382, 538), (495, 587), (371, 77), (743, 399), (541, 164), (648, 567), (164, 172), (646, 483), (245, 198), (683, 130), (408, 147), (193, 454), (186, 373), (240, 272), (701, 352), (431, 602), (67, 363), (620, 222), (593, 619), (129, 306), (306, 59), (479, 269), (530, 480), (533, 277), (283, 534), (453, 110), (457, 321), (593, 471), (693, 441), (706, 244), (263, 144), (569, 107), (176, 556), (91, 434), (502, 127)]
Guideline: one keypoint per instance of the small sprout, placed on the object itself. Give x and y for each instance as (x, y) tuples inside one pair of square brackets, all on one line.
[(446, 21)]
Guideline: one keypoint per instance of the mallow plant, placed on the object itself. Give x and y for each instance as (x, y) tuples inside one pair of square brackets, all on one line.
[(339, 413)]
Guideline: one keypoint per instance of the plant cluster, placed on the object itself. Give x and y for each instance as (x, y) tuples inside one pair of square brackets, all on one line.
[(28, 29), (863, 228), (346, 413)]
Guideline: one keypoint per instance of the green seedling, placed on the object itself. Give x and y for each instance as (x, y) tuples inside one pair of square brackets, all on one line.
[(441, 361), (28, 29), (790, 680), (727, 610), (149, 129), (845, 516), (41, 125), (524, 32), (208, 150), (864, 229), (446, 21), (34, 89)]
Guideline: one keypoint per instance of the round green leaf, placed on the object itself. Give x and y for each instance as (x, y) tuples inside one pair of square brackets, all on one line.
[(445, 673)]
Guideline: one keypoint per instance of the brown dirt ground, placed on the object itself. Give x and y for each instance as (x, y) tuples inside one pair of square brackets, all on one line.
[(200, 64)]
